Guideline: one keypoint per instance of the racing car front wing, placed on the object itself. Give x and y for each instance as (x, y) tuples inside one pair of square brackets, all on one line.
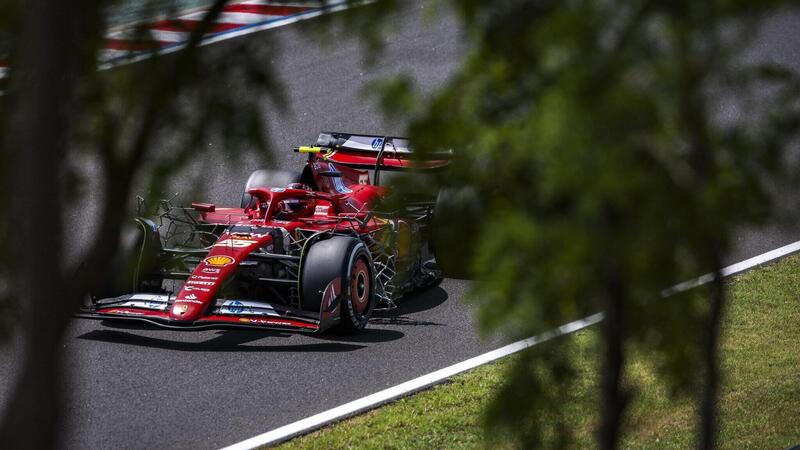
[(224, 313)]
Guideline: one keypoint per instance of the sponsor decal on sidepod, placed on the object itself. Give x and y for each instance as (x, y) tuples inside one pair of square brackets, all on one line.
[(195, 288), (201, 277), (233, 307)]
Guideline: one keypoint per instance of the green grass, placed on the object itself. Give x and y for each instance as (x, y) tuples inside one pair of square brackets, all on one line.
[(760, 398)]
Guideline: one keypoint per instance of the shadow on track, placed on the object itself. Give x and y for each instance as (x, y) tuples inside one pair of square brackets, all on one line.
[(226, 341), (412, 303), (232, 340), (366, 336)]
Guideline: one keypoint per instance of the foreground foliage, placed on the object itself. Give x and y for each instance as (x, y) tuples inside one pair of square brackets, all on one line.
[(613, 148), (69, 129), (758, 395)]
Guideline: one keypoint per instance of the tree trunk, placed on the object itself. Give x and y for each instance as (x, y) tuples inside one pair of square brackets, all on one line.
[(708, 406), (41, 85), (614, 398)]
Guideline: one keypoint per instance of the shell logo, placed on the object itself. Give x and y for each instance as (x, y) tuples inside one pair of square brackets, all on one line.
[(219, 260)]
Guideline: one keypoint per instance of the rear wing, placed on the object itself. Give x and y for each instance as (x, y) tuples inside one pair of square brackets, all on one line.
[(366, 151)]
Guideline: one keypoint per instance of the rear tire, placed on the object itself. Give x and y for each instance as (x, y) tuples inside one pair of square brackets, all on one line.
[(344, 264), (267, 178)]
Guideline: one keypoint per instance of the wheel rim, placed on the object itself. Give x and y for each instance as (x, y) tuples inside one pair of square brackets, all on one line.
[(360, 286)]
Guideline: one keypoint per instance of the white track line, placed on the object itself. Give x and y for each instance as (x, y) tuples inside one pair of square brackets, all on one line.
[(733, 269), (401, 390), (395, 392)]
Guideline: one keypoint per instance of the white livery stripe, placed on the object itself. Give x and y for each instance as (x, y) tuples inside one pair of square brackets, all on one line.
[(151, 297)]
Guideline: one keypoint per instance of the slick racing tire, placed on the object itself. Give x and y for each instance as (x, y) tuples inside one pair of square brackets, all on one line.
[(342, 264), (456, 221), (267, 178)]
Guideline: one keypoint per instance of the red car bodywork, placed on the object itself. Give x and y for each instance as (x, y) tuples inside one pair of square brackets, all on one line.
[(340, 203)]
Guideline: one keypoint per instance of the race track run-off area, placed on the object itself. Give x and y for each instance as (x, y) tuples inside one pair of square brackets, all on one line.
[(138, 387)]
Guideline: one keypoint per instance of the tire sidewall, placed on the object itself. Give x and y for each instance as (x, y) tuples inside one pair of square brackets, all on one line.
[(350, 317)]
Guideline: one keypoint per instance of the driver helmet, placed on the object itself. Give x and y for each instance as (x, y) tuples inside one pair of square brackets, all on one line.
[(302, 186), (294, 208)]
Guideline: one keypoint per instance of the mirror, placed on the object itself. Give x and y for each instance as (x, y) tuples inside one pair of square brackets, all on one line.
[(204, 207)]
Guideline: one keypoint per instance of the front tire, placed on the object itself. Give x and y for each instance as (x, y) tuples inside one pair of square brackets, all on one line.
[(340, 265), (357, 306)]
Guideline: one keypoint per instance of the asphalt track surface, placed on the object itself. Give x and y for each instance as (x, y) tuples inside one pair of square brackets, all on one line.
[(146, 388)]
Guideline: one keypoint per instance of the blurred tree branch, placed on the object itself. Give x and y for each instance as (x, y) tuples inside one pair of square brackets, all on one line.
[(590, 134), (59, 108), (40, 129)]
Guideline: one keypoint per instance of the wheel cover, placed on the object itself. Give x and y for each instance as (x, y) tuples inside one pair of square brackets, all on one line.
[(360, 286)]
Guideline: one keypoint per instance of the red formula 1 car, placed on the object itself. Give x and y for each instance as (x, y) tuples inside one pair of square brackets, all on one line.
[(303, 251)]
